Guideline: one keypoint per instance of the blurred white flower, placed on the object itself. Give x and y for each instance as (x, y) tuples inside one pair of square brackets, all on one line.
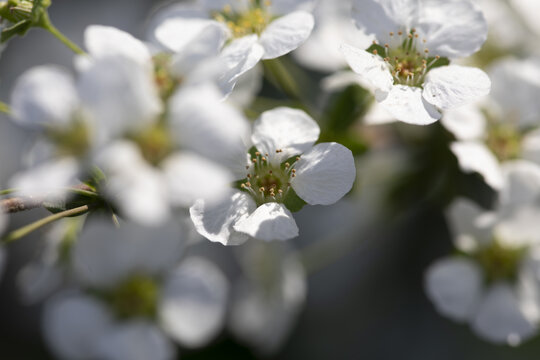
[(284, 160), (494, 285), (413, 37), (141, 296), (254, 30), (502, 126), (268, 297)]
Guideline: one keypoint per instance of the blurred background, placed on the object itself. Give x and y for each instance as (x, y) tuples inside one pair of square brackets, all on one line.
[(365, 300)]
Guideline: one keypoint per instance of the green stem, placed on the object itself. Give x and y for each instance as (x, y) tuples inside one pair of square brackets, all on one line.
[(8, 191), (280, 76), (17, 234), (47, 25)]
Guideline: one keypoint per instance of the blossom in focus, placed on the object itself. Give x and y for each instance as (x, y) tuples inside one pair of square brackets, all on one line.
[(135, 296), (494, 284), (409, 70), (283, 165)]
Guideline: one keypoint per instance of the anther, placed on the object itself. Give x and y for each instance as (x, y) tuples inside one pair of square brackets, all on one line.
[(287, 165), (375, 52), (391, 33)]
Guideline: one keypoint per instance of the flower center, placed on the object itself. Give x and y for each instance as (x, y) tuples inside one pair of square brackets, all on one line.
[(407, 63), (498, 262), (135, 297), (252, 21), (72, 139), (504, 140), (267, 182), (155, 143)]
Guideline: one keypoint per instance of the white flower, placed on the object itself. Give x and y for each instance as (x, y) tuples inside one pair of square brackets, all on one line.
[(140, 298), (268, 297), (414, 37), (494, 286), (284, 161), (255, 29)]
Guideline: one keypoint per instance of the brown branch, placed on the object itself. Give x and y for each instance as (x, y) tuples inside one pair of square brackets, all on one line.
[(17, 204)]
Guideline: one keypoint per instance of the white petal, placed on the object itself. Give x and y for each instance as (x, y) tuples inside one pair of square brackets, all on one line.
[(324, 174), (191, 177), (476, 157), (44, 96), (470, 225), (465, 122), (378, 115), (521, 186), (215, 221), (406, 104), (193, 302), (530, 146), (105, 254), (102, 41), (238, 57), (270, 221), (499, 318), (135, 340), (451, 86), (268, 298), (205, 46), (290, 130), (454, 285), (380, 17), (452, 28), (53, 176), (529, 284), (138, 189), (120, 95), (519, 229), (204, 124), (247, 88), (178, 32), (369, 66), (73, 324), (286, 33)]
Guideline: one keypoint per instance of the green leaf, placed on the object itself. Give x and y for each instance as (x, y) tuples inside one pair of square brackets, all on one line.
[(345, 107)]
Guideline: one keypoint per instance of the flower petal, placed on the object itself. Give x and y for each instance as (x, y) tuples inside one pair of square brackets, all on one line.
[(530, 146), (202, 123), (176, 33), (452, 28), (105, 254), (215, 221), (73, 324), (270, 221), (135, 340), (290, 130), (476, 157), (499, 318), (370, 67), (519, 229), (380, 17), (44, 96), (451, 86), (286, 33), (113, 115), (454, 285), (465, 122), (193, 302), (521, 185), (406, 104), (324, 174), (102, 41), (191, 177)]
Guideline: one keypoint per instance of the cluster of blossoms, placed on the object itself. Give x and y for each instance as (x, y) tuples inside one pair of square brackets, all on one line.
[(152, 147)]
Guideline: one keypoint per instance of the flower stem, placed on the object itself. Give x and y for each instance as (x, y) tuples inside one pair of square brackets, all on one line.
[(47, 25), (277, 73), (17, 234)]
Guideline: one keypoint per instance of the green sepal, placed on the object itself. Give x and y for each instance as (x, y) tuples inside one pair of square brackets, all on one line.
[(19, 28), (438, 63), (379, 48), (293, 202)]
